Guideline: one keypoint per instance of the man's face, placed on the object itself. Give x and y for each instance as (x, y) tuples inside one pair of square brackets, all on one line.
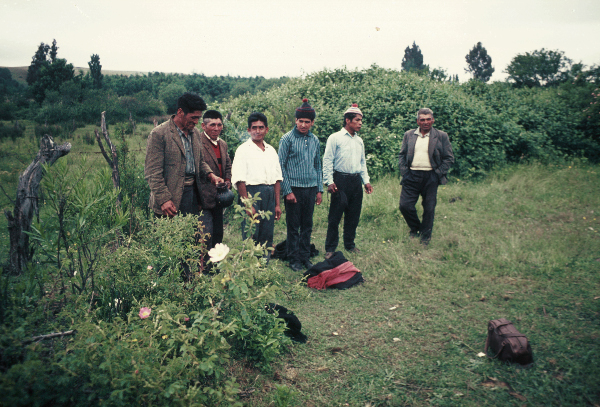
[(425, 122), (354, 125), (304, 125), (213, 128), (257, 131), (188, 120)]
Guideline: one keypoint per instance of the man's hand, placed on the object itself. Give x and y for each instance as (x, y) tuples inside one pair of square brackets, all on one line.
[(252, 212), (291, 198), (319, 198), (277, 212), (332, 188), (228, 183), (214, 179), (168, 209), (368, 188)]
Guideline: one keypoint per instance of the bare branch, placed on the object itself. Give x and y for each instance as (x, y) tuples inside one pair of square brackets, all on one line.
[(49, 336)]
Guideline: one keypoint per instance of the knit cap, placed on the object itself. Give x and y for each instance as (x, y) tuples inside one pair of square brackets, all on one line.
[(353, 109), (305, 111)]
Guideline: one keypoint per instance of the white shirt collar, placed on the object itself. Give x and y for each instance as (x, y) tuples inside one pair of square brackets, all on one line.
[(215, 142)]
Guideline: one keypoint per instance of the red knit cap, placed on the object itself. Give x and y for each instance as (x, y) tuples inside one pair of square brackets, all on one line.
[(305, 111)]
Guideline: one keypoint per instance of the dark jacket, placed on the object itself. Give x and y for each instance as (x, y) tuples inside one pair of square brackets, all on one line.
[(165, 165), (440, 153), (209, 191)]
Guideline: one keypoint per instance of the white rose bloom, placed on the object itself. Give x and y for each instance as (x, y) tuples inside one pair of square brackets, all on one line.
[(218, 253)]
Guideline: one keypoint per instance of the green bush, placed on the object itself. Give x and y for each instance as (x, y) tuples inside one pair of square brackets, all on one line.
[(89, 277), (12, 132), (488, 125)]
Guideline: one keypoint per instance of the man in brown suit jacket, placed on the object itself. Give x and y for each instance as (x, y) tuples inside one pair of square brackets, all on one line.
[(175, 165), (425, 158), (217, 158)]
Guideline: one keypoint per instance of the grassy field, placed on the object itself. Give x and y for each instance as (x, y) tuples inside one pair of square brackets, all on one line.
[(522, 244)]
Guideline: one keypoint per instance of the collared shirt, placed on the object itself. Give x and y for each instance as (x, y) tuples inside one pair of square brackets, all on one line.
[(421, 160), (300, 159), (255, 166), (344, 153), (214, 142), (190, 167)]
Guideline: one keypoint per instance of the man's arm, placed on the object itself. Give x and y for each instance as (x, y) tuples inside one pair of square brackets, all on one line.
[(277, 205), (227, 167), (447, 155), (317, 164), (243, 193), (402, 164), (204, 168), (154, 173), (284, 149), (328, 165)]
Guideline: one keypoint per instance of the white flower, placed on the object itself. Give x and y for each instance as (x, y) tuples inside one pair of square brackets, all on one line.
[(117, 302), (74, 273), (218, 253), (149, 267)]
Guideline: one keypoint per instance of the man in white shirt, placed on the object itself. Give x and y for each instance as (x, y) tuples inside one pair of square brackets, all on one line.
[(344, 173), (256, 169)]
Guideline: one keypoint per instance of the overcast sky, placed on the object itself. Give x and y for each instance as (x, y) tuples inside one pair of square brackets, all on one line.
[(273, 38)]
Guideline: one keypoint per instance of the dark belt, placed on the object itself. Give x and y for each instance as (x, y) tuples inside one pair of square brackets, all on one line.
[(345, 174)]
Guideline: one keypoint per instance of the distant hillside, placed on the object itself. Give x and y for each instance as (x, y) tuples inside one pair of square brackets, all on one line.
[(19, 73)]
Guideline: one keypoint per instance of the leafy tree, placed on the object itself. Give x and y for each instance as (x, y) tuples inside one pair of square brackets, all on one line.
[(539, 68), (480, 63), (96, 71), (413, 59), (38, 60), (53, 51), (169, 95), (51, 77)]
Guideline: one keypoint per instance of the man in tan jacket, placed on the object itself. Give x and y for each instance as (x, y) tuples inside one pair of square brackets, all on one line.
[(175, 165), (217, 158)]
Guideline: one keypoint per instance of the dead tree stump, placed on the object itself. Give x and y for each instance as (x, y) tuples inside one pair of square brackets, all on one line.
[(26, 203)]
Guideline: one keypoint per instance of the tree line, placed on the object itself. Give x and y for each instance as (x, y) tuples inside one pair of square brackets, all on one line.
[(55, 93)]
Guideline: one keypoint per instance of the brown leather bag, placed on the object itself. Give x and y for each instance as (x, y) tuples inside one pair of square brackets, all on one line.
[(507, 343)]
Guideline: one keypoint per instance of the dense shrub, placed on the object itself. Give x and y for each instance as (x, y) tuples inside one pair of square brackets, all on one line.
[(488, 125), (11, 131), (88, 277)]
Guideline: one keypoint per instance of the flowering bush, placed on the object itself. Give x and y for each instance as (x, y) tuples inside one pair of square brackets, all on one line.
[(218, 252), (143, 333), (145, 312)]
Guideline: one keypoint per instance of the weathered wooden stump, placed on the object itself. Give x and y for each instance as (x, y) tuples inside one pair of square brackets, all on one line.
[(26, 202)]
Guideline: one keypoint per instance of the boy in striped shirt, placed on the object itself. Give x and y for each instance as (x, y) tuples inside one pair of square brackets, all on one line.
[(302, 186)]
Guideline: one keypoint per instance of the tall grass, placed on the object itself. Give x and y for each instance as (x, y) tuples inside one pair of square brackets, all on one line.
[(522, 244)]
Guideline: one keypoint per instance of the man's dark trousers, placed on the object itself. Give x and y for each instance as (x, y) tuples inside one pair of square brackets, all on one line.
[(348, 202), (265, 228), (415, 184), (212, 220), (299, 220)]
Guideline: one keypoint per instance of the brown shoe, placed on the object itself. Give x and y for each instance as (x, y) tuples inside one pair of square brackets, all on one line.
[(354, 250), (328, 255)]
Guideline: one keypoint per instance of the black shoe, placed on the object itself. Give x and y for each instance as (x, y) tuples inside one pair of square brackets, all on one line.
[(307, 264), (425, 242), (413, 235), (296, 266)]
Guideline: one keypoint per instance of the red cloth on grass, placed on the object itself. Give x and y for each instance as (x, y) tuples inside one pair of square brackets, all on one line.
[(336, 275)]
